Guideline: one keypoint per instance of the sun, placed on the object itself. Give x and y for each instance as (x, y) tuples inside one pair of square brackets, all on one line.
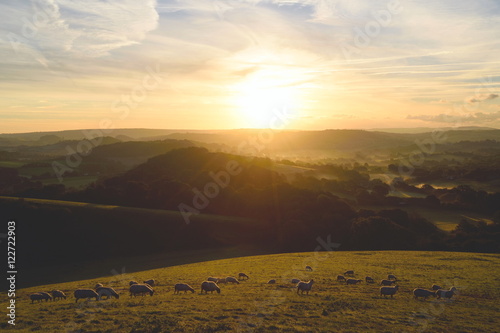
[(261, 100)]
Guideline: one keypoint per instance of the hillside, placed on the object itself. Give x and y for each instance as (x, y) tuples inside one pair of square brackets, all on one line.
[(256, 306)]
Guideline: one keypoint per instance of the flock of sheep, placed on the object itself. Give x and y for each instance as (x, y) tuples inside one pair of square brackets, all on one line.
[(388, 287)]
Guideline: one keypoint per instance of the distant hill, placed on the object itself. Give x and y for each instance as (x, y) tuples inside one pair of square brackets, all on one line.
[(416, 130)]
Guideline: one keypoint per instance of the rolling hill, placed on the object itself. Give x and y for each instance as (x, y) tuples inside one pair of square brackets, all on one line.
[(256, 306)]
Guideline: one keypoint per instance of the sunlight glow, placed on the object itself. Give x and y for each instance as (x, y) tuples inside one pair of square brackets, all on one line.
[(260, 98)]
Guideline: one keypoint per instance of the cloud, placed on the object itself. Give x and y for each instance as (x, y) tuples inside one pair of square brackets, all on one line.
[(54, 28), (480, 98), (477, 117)]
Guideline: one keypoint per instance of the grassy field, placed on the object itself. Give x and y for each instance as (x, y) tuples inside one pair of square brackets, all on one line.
[(255, 306)]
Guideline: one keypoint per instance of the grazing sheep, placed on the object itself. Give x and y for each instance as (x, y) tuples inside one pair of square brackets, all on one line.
[(243, 276), (353, 281), (387, 282), (232, 280), (108, 292), (141, 289), (304, 286), (272, 281), (46, 295), (151, 282), (309, 268), (132, 282), (209, 286), (213, 279), (295, 281), (436, 287), (340, 278), (86, 293), (350, 273), (369, 279), (58, 294), (419, 292), (388, 291), (98, 285), (391, 277), (441, 293), (182, 287), (39, 297)]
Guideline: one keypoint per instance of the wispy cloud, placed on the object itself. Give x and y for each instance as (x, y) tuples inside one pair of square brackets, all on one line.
[(482, 97)]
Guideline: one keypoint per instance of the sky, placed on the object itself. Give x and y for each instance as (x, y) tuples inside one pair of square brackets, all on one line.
[(224, 64)]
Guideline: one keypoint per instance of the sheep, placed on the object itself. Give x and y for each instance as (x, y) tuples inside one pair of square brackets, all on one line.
[(243, 276), (98, 285), (304, 286), (141, 289), (340, 278), (232, 280), (387, 282), (295, 281), (388, 291), (108, 292), (272, 281), (213, 279), (39, 297), (209, 286), (436, 287), (182, 287), (86, 293), (151, 282), (133, 282), (446, 293), (391, 277), (46, 296), (309, 268), (352, 281), (58, 294), (419, 292), (369, 279), (350, 273)]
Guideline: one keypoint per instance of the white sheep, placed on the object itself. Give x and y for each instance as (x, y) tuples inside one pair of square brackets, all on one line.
[(243, 276), (108, 292), (350, 273), (231, 280), (340, 278), (309, 268), (272, 281), (141, 289), (151, 282), (182, 287), (133, 282), (353, 281), (46, 295), (419, 292), (369, 279), (387, 282), (391, 277), (446, 293), (209, 286), (98, 285), (304, 286), (295, 281), (86, 293), (388, 291), (58, 294), (213, 279), (436, 287), (39, 297)]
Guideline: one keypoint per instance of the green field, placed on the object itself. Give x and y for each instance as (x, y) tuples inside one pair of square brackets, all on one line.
[(255, 306)]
